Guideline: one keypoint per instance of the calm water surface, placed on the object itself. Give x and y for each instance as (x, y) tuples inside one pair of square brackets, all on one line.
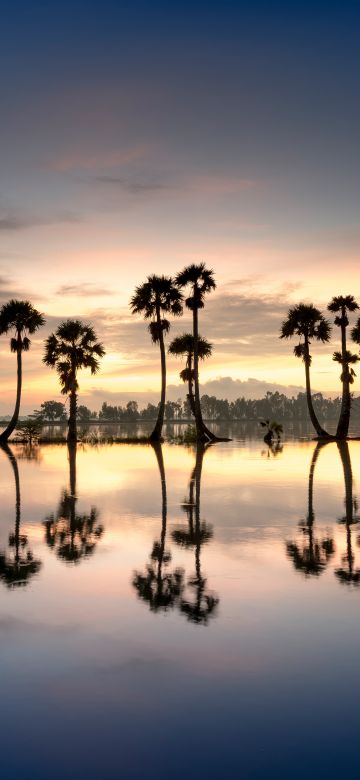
[(172, 613)]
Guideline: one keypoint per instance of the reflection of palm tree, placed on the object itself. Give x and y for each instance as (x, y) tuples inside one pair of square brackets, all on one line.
[(160, 588), (17, 568), (74, 536), (314, 554), (198, 533), (347, 574)]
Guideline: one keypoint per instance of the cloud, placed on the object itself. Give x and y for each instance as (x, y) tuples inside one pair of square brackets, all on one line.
[(92, 161), (12, 220), (85, 290), (178, 183)]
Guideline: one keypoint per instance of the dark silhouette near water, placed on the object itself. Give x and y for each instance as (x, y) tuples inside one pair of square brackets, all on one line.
[(348, 574), (184, 346), (17, 566), (72, 535), (313, 555), (72, 347), (21, 319), (159, 587), (204, 604), (153, 299), (341, 305), (308, 324), (200, 281)]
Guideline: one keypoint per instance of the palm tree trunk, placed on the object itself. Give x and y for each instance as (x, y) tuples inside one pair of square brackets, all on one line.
[(157, 432), (344, 419), (5, 435), (72, 424), (319, 430), (190, 386)]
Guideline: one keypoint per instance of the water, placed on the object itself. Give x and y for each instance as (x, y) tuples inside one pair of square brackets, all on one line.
[(173, 613)]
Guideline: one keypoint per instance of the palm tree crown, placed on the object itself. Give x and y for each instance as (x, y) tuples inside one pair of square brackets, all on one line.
[(22, 318), (342, 303), (307, 322), (184, 345), (72, 347), (156, 296), (200, 279)]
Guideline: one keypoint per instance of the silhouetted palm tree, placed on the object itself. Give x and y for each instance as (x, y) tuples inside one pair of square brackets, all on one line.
[(312, 557), (348, 574), (160, 588), (72, 347), (72, 535), (184, 345), (154, 298), (195, 536), (307, 322), (19, 566), (341, 305), (20, 318), (201, 281)]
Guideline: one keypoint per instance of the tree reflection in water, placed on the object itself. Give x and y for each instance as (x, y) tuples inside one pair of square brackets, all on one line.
[(312, 556), (17, 566), (159, 587), (72, 535), (347, 573), (204, 604)]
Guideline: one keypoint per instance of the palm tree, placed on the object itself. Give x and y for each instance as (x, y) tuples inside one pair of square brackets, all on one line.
[(153, 299), (160, 588), (184, 345), (20, 318), (72, 347), (308, 323), (17, 568), (197, 534), (201, 281), (341, 305), (313, 555), (73, 535)]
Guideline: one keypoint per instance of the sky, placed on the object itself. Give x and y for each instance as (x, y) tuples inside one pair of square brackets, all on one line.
[(137, 137)]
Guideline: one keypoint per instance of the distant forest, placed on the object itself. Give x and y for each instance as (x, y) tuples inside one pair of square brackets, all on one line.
[(275, 406)]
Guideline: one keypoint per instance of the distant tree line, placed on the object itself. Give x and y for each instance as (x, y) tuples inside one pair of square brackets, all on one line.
[(273, 405)]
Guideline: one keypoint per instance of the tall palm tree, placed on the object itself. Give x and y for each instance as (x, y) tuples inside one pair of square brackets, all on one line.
[(73, 346), (341, 305), (21, 319), (313, 555), (200, 280), (184, 345), (73, 535), (159, 587), (308, 323), (18, 566), (153, 299)]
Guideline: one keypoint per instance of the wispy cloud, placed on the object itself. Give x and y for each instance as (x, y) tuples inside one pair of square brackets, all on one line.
[(85, 290), (92, 161), (13, 220), (178, 183)]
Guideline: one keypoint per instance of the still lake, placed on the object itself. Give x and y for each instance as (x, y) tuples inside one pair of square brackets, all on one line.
[(176, 612)]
